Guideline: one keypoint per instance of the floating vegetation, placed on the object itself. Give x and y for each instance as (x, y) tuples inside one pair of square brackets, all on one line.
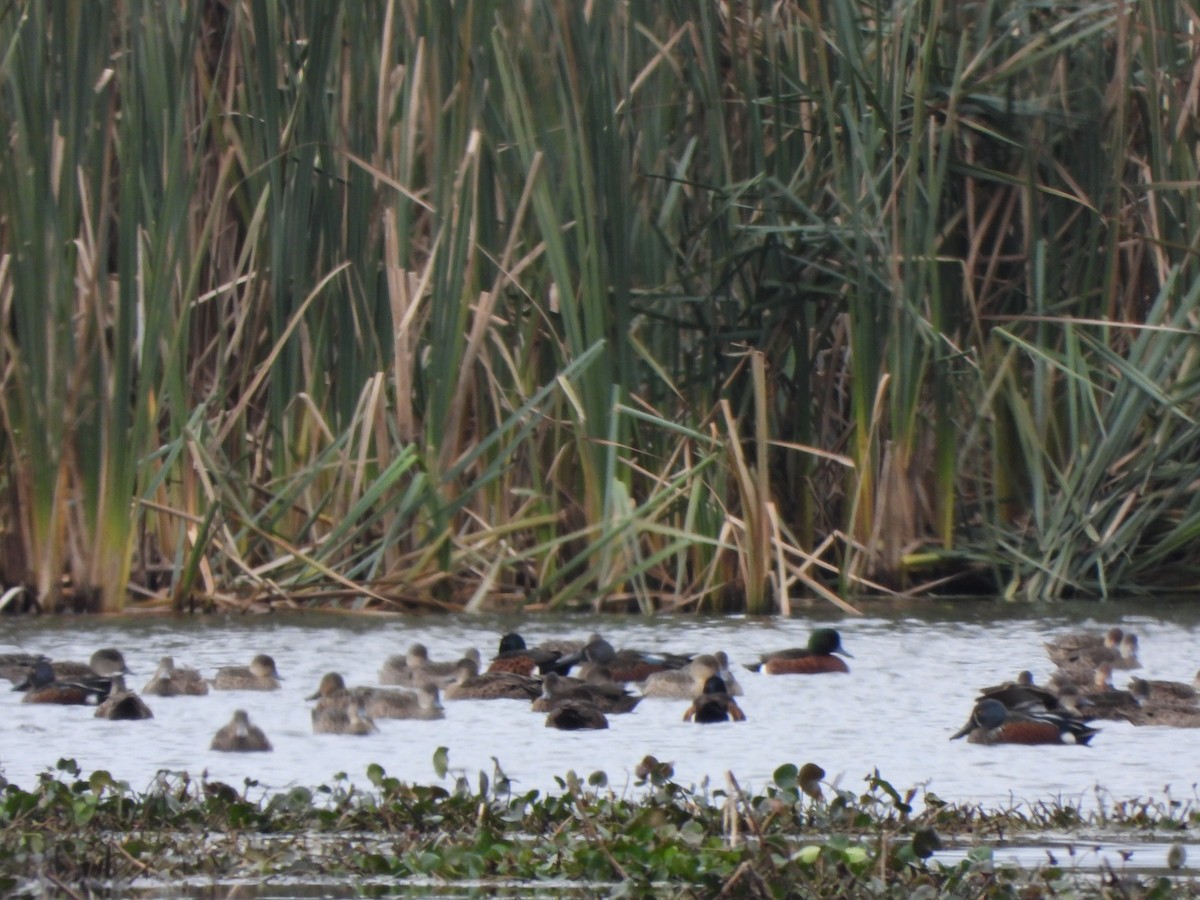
[(80, 835)]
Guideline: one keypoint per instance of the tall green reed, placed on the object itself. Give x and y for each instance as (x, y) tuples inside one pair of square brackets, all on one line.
[(595, 304)]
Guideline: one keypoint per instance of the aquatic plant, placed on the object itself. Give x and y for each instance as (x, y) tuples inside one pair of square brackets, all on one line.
[(74, 833)]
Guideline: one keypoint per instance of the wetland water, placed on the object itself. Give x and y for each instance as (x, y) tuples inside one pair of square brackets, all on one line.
[(912, 681)]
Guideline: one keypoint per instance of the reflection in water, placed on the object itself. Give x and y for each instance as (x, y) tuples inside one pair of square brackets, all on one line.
[(911, 685)]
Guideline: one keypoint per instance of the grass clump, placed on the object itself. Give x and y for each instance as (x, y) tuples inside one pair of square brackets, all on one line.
[(413, 305), (96, 834)]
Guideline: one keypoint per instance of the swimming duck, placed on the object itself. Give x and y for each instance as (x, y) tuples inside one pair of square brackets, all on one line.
[(105, 662), (1022, 694), (685, 683), (1072, 647), (239, 736), (992, 723), (345, 718), (816, 658), (1171, 692), (43, 687), (331, 691), (1165, 715), (416, 667), (1081, 664), (175, 681), (1102, 700), (426, 703), (260, 675), (714, 705), (122, 703), (378, 703), (576, 715), (609, 698), (470, 685), (731, 683), (627, 665), (514, 656), (17, 666)]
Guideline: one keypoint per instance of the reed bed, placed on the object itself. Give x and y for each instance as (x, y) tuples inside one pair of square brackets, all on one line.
[(661, 306)]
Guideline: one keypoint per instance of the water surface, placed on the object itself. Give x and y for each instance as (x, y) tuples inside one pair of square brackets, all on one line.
[(911, 686)]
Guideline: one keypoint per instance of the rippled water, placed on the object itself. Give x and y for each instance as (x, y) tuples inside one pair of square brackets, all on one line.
[(911, 686)]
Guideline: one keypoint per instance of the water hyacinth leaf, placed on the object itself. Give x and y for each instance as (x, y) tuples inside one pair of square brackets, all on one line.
[(786, 776), (856, 855), (809, 854)]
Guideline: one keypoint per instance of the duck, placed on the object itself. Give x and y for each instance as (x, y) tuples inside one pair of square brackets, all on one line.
[(576, 715), (260, 675), (122, 703), (1102, 700), (416, 667), (1154, 691), (1071, 647), (240, 736), (331, 691), (685, 683), (346, 718), (1080, 664), (714, 705), (470, 685), (17, 666), (993, 723), (426, 703), (1022, 693), (43, 687), (609, 698), (818, 657), (726, 672), (105, 662), (175, 681), (628, 665), (1165, 715), (378, 703), (514, 656)]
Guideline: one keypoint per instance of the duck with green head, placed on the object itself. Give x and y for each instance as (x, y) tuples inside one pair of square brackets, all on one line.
[(816, 658)]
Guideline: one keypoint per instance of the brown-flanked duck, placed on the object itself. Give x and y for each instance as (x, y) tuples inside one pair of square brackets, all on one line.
[(260, 675), (470, 685)]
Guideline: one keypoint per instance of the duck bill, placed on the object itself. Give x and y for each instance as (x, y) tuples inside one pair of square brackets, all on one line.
[(965, 730)]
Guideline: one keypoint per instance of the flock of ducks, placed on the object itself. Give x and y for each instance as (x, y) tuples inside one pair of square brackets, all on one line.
[(1079, 692), (576, 684)]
